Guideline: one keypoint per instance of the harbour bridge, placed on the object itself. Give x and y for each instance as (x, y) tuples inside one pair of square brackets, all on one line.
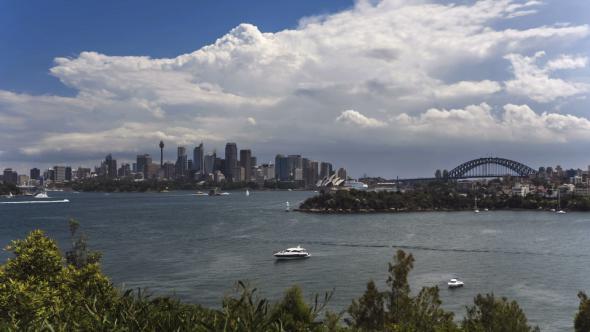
[(490, 167)]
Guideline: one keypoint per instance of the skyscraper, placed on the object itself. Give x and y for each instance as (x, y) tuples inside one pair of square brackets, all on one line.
[(10, 176), (110, 166), (209, 163), (143, 160), (325, 169), (281, 168), (35, 174), (198, 159), (181, 162), (246, 163), (231, 161)]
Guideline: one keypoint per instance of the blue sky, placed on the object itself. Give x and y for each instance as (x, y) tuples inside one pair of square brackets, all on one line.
[(389, 87), (33, 33)]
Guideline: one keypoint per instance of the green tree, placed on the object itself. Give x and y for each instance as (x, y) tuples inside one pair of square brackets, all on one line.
[(493, 314), (582, 321), (398, 299), (368, 313)]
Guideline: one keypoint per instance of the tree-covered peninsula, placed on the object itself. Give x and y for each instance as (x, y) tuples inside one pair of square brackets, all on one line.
[(435, 196)]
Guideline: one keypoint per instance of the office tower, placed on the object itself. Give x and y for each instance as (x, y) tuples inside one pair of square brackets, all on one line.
[(246, 163), (110, 166), (161, 145), (181, 162), (169, 170), (198, 159), (341, 173), (35, 173), (69, 173), (325, 169), (208, 163), (253, 162), (143, 160), (231, 160), (23, 180), (59, 173), (10, 176), (313, 173), (282, 172)]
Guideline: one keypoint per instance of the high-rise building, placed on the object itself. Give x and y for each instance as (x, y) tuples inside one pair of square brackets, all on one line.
[(110, 166), (169, 170), (35, 173), (143, 160), (124, 170), (208, 163), (246, 163), (231, 160), (10, 176), (325, 169), (313, 173), (181, 162), (281, 168), (199, 159), (59, 173), (69, 173), (341, 173), (23, 180)]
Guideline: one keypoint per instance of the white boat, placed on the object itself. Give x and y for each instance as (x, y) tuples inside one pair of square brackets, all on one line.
[(200, 193), (475, 209), (224, 193), (247, 192), (287, 207), (455, 283), (42, 194), (10, 195), (292, 253), (559, 210)]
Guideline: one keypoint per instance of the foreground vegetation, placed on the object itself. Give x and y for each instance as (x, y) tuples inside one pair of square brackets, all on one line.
[(42, 290), (8, 188), (431, 198)]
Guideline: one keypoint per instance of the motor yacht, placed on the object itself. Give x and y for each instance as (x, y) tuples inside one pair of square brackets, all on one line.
[(560, 212), (292, 253), (455, 283)]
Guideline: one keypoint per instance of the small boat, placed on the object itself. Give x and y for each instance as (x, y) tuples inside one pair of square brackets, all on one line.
[(42, 194), (247, 192), (10, 195), (560, 212), (200, 193), (486, 209), (287, 207), (455, 283), (552, 210), (292, 253), (225, 193), (475, 209)]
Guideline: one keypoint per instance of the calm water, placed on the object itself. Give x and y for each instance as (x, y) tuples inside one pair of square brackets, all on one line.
[(197, 247)]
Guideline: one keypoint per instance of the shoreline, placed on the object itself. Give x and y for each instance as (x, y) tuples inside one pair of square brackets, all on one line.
[(392, 211)]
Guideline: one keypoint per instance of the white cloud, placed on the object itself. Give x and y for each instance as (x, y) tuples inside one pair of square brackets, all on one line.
[(355, 118), (391, 59), (534, 82)]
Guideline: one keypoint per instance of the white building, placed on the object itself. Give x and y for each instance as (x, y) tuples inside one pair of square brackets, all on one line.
[(520, 190)]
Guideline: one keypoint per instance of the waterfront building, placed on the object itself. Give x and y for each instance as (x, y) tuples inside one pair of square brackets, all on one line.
[(23, 180), (143, 160), (294, 162), (124, 170), (59, 173), (83, 173), (520, 189), (10, 176), (298, 174), (152, 170), (35, 173), (281, 168), (231, 161), (246, 164), (218, 177), (181, 162), (311, 174), (198, 159), (68, 173), (268, 171)]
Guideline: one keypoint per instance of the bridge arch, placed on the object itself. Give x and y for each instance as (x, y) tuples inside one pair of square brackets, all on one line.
[(490, 167)]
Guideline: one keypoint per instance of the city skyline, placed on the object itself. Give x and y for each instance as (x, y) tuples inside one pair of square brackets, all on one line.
[(387, 88)]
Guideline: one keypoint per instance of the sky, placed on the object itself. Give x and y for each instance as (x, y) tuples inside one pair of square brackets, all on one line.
[(384, 88)]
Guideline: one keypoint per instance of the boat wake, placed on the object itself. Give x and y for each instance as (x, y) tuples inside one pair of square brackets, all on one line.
[(38, 202)]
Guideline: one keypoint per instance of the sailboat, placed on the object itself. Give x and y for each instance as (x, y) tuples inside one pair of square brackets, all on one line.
[(475, 208), (559, 210), (287, 207), (247, 192)]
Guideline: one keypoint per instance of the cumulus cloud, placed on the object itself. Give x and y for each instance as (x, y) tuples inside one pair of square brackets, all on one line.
[(392, 59), (534, 81), (355, 118), (513, 123)]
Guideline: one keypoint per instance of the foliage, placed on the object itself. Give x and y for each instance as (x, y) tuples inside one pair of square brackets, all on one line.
[(495, 315), (8, 188), (582, 321)]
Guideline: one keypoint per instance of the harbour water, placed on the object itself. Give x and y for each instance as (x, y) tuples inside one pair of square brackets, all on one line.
[(197, 247)]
